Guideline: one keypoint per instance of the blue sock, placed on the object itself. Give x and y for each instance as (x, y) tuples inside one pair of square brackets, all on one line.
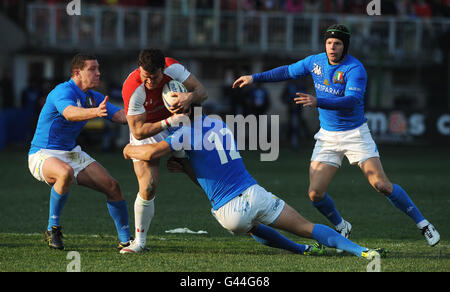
[(270, 237), (119, 213), (326, 207), (400, 199), (57, 203), (328, 237)]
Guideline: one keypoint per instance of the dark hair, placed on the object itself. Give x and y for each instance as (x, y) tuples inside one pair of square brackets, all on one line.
[(78, 61), (152, 60)]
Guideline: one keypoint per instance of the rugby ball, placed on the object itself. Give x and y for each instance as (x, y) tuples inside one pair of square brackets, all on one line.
[(168, 89)]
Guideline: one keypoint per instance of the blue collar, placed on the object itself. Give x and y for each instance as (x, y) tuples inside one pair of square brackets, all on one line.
[(77, 89)]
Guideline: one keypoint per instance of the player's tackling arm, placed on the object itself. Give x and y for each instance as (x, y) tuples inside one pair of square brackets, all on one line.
[(182, 165), (146, 152), (142, 129)]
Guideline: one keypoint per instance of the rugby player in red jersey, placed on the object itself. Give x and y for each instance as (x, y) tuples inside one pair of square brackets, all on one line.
[(150, 122)]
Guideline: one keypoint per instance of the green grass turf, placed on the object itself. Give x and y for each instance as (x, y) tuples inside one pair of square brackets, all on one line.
[(423, 172)]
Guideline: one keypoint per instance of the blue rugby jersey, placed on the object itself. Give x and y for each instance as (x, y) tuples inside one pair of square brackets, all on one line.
[(331, 82), (53, 131), (212, 152)]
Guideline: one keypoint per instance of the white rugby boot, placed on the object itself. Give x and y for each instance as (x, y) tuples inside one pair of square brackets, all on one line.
[(345, 231), (431, 234), (134, 247)]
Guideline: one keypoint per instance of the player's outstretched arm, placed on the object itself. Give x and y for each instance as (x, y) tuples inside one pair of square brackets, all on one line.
[(243, 81), (78, 114), (146, 152)]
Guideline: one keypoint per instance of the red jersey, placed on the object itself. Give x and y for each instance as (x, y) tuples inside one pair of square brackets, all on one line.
[(137, 99)]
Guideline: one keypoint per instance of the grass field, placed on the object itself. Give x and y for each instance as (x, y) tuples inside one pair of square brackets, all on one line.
[(88, 229)]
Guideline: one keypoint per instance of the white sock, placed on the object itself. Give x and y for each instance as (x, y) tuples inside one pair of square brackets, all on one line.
[(143, 214)]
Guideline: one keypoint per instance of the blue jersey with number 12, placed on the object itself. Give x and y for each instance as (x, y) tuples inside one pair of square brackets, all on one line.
[(212, 152)]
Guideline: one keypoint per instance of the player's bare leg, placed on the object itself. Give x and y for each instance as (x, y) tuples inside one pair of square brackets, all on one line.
[(147, 174), (291, 221), (60, 176), (320, 176), (373, 170), (96, 177)]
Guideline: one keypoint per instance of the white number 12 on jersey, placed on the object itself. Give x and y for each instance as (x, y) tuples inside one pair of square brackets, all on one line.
[(214, 138)]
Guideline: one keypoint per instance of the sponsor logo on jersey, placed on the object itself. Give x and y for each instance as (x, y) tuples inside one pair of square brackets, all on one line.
[(355, 89), (327, 89), (317, 70)]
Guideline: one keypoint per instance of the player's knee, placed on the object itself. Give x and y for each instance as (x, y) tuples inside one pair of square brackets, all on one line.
[(66, 175), (382, 187), (315, 195), (114, 191)]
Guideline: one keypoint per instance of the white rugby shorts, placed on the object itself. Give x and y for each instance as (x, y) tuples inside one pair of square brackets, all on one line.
[(161, 136), (356, 144), (76, 158), (255, 205)]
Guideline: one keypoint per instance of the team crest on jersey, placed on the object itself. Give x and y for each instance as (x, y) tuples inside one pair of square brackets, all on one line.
[(317, 70), (90, 102), (326, 82), (338, 77)]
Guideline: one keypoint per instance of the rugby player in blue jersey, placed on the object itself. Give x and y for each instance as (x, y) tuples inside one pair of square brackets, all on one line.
[(56, 159), (239, 204), (340, 83)]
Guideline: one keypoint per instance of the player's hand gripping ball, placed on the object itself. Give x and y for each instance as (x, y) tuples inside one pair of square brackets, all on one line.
[(167, 93)]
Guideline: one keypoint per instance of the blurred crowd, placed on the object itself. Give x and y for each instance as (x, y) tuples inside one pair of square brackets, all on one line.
[(419, 8), (413, 8), (256, 101)]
